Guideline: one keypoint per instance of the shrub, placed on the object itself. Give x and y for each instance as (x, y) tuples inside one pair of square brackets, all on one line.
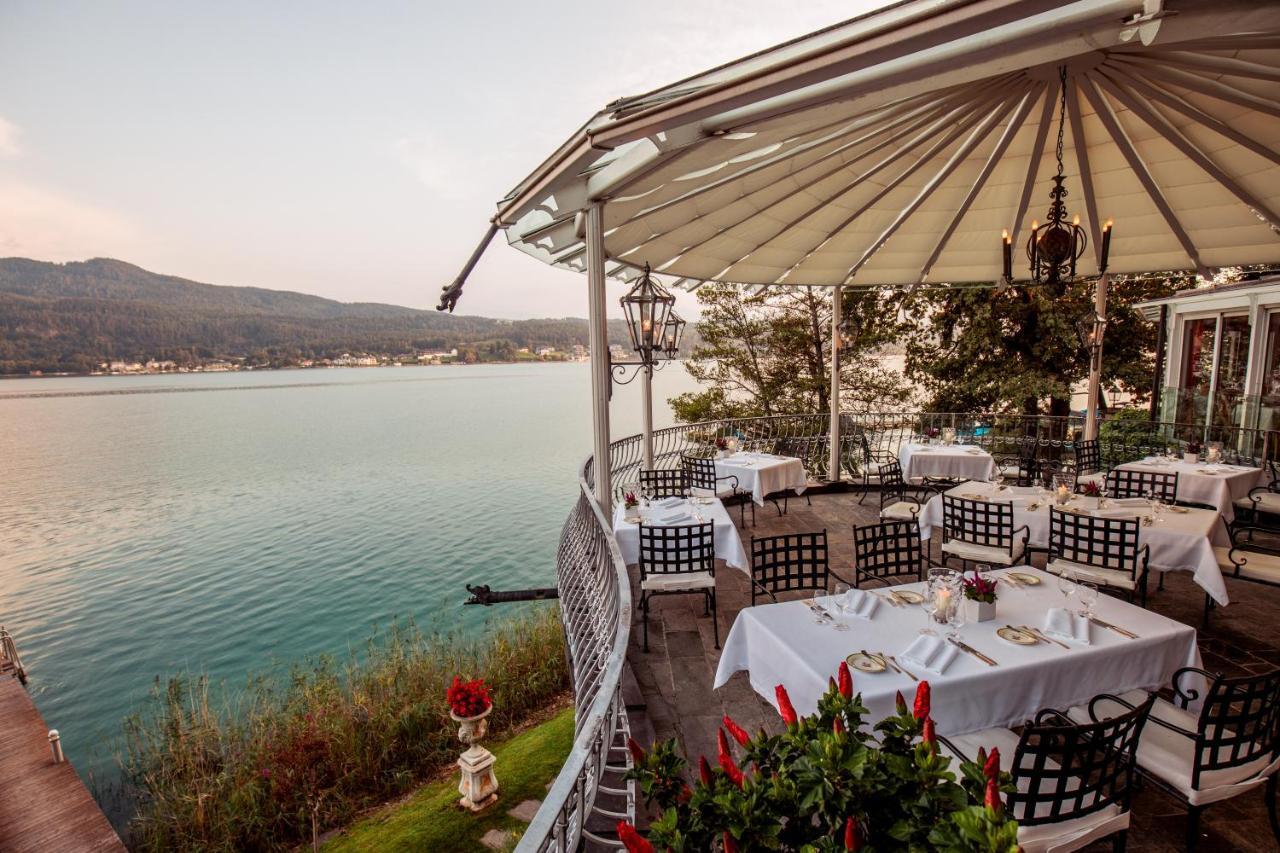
[(310, 752), (826, 785)]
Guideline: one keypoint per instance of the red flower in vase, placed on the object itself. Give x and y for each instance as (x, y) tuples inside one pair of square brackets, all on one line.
[(468, 698)]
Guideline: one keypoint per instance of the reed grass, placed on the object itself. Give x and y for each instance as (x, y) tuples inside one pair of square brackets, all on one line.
[(300, 753)]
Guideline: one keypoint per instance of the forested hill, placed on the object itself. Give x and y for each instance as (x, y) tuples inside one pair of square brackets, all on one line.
[(73, 316)]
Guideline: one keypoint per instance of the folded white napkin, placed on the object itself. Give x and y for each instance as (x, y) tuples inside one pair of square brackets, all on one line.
[(667, 503), (1131, 502), (1114, 512), (932, 653), (675, 517), (1067, 626)]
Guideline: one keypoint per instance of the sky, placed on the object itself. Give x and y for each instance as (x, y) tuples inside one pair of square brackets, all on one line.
[(352, 150)]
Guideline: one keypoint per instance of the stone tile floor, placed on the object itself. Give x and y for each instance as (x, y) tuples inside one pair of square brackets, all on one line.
[(671, 695)]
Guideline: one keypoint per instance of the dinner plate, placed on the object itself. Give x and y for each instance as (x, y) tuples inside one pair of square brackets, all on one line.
[(1023, 577), (974, 496), (865, 663), (633, 520), (1181, 510), (1017, 637), (909, 596)]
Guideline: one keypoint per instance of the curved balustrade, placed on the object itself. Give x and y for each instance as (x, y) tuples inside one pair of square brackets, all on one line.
[(588, 797)]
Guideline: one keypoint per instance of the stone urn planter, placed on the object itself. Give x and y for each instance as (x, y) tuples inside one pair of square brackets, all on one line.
[(479, 785)]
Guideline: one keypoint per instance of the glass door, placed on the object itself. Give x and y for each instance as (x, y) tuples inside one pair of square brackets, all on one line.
[(1233, 365), (1199, 342)]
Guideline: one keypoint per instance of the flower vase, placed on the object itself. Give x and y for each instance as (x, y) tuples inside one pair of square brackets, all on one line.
[(980, 611), (632, 512), (1191, 458), (722, 454), (479, 785), (1089, 503)]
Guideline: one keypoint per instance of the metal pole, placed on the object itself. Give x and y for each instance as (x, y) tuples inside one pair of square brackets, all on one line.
[(1095, 360), (833, 462), (600, 373), (647, 404)]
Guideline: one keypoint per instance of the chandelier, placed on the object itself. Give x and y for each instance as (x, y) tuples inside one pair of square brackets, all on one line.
[(648, 308)]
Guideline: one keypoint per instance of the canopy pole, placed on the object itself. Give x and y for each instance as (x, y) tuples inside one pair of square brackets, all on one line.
[(600, 372), (450, 293), (833, 461), (1157, 375), (646, 404), (1095, 357)]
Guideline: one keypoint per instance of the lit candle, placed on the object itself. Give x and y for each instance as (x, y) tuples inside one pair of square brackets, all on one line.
[(1106, 245), (1007, 248), (942, 600), (1064, 494)]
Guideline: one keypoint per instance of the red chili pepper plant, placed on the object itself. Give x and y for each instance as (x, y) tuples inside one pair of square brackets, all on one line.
[(468, 698), (826, 783)]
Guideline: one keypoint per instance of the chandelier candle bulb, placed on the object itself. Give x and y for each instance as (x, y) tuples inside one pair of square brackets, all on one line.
[(1007, 249), (1106, 246)]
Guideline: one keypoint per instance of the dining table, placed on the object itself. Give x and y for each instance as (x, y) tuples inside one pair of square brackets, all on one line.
[(945, 461), (763, 474), (696, 510), (1182, 539), (1214, 484), (785, 644)]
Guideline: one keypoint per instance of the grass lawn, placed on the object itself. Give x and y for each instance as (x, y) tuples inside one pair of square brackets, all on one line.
[(430, 818)]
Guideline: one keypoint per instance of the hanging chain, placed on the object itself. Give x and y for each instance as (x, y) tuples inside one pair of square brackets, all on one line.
[(1062, 112)]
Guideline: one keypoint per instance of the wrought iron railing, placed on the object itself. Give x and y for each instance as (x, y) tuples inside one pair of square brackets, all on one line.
[(589, 796)]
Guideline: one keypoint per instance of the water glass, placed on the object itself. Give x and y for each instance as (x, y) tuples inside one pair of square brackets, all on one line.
[(843, 604), (817, 605), (1067, 586), (956, 618), (1087, 593)]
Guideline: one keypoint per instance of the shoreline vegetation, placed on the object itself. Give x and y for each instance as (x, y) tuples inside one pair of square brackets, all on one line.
[(310, 751), (559, 358)]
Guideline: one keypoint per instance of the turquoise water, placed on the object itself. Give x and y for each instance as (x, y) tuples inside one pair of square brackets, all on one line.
[(220, 523)]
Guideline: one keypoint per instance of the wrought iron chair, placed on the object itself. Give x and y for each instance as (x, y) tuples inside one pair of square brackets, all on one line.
[(1101, 550), (1124, 483), (811, 450), (1088, 462), (793, 561), (889, 550), (1230, 747), (1261, 507), (700, 474), (900, 500), (1074, 779), (872, 465), (664, 482), (678, 560), (1254, 556), (1022, 469), (981, 531)]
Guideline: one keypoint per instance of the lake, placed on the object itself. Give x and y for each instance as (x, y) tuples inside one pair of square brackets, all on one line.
[(222, 523)]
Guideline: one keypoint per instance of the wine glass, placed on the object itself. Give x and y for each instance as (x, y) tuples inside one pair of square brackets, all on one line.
[(956, 617), (1067, 586), (1087, 593), (819, 612), (844, 605)]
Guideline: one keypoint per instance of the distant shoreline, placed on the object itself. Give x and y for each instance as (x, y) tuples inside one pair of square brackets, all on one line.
[(97, 375)]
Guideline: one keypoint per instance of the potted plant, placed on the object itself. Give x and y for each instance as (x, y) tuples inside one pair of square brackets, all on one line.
[(1092, 491), (1192, 454), (722, 446), (631, 505), (931, 433), (469, 705), (980, 598)]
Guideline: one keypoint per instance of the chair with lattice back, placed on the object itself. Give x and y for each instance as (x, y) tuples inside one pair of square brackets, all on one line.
[(888, 551), (1074, 779), (900, 500), (678, 560), (664, 483), (1088, 462), (701, 478), (982, 531), (1231, 746), (790, 562), (1102, 550), (1127, 483)]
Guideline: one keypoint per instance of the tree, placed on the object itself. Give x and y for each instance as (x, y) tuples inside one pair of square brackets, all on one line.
[(1023, 347), (770, 354)]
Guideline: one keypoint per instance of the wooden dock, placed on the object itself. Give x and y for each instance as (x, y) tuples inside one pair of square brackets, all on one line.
[(43, 806)]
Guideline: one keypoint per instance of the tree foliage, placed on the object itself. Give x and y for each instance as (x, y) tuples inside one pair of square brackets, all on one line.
[(770, 353), (1022, 347)]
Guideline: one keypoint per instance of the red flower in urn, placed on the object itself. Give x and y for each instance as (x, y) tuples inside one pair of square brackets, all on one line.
[(468, 698)]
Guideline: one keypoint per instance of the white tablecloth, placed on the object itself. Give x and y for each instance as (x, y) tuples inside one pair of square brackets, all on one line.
[(763, 474), (728, 542), (954, 461), (1215, 485), (1180, 542), (781, 644)]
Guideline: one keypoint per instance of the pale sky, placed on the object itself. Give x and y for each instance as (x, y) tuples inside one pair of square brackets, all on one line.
[(353, 150)]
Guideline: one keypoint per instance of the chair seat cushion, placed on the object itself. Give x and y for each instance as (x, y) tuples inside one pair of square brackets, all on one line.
[(901, 511), (1096, 477), (983, 553), (1106, 577), (1268, 502), (1057, 836), (1257, 565), (1171, 756), (721, 492), (673, 581)]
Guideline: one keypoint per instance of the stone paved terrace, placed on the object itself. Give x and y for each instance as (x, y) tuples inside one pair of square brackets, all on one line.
[(671, 693)]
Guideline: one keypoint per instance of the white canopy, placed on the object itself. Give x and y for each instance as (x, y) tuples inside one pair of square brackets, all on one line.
[(893, 149)]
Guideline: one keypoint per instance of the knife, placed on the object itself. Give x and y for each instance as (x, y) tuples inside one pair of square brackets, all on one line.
[(965, 647), (1042, 635), (1124, 632)]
